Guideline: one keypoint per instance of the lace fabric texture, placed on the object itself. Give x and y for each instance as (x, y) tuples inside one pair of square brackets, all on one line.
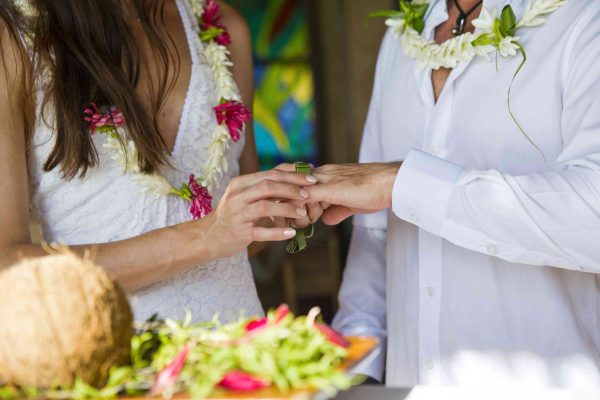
[(107, 205)]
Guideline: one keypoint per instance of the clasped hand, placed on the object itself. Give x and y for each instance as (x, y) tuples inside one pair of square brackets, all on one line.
[(288, 200)]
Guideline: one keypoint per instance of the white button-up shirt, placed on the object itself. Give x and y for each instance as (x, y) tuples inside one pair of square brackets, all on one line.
[(486, 270)]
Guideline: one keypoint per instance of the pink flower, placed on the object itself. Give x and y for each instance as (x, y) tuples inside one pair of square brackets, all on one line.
[(97, 120), (281, 312), (168, 377), (331, 335), (256, 324), (211, 19), (235, 115), (243, 382), (201, 201)]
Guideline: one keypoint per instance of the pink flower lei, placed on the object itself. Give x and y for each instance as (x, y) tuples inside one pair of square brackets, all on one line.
[(229, 113)]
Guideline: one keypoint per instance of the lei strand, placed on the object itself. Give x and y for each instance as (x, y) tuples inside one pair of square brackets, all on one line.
[(496, 33), (231, 115)]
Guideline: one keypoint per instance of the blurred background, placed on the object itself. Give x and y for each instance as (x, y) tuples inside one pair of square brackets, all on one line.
[(314, 63)]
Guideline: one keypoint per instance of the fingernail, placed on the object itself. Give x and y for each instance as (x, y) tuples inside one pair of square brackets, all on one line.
[(301, 211), (303, 194), (288, 233), (311, 179)]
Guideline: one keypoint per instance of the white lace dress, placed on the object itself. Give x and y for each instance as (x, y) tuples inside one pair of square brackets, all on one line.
[(108, 206)]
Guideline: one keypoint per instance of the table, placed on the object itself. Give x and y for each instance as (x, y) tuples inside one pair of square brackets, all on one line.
[(375, 392)]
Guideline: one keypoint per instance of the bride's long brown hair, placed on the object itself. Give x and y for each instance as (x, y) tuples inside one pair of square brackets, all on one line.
[(86, 51)]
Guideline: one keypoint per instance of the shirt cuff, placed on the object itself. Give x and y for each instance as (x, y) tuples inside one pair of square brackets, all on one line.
[(423, 188)]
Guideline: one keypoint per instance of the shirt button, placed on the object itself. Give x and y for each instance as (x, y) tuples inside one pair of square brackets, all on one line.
[(492, 250), (414, 217), (430, 291), (435, 150), (429, 363)]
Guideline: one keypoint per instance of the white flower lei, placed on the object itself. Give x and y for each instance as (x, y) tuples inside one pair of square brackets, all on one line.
[(216, 165), (467, 46)]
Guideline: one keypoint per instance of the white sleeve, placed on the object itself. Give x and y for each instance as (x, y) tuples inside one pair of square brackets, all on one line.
[(362, 295), (551, 218)]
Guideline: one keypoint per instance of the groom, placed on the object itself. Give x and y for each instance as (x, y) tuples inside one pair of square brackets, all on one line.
[(484, 268)]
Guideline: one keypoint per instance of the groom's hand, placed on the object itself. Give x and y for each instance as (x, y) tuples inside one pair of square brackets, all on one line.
[(313, 210), (348, 189)]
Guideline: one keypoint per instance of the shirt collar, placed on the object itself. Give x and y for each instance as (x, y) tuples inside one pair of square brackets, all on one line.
[(438, 12)]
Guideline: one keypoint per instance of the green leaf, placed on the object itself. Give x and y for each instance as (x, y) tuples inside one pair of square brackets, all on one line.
[(387, 14), (210, 34), (419, 9), (8, 393), (418, 25), (483, 40), (508, 21), (510, 111), (404, 6)]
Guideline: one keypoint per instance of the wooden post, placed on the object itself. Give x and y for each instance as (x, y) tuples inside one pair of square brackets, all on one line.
[(345, 47)]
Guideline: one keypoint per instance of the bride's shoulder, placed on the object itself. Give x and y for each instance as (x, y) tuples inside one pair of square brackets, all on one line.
[(240, 48), (235, 23)]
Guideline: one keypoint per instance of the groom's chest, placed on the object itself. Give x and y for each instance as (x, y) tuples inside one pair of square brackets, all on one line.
[(472, 123)]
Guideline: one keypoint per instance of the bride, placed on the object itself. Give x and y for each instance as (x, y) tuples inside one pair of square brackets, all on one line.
[(122, 127)]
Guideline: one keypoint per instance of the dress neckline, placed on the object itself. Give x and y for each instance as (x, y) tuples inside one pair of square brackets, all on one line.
[(189, 26)]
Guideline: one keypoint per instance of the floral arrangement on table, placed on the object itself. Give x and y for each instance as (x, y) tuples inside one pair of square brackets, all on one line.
[(167, 357), (496, 33)]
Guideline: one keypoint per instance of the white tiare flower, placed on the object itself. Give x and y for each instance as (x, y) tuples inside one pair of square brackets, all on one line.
[(508, 46), (486, 21), (153, 184), (217, 57), (484, 51), (535, 11), (197, 6), (397, 25)]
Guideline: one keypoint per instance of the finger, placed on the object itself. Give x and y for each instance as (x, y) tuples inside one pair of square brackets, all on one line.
[(336, 214), (245, 181), (276, 191), (324, 193), (286, 167), (300, 222), (272, 234), (314, 212), (266, 208)]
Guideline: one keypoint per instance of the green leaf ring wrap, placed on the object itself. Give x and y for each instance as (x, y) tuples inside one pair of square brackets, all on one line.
[(298, 243)]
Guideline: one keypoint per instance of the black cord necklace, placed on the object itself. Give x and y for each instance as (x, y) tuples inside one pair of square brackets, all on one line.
[(461, 21)]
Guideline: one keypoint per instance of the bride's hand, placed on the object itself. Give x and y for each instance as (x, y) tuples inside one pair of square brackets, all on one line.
[(313, 210), (232, 226)]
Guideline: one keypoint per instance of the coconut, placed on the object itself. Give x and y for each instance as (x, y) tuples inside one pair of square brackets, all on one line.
[(61, 318)]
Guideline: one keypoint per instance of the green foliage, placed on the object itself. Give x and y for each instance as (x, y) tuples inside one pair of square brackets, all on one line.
[(290, 353), (206, 35), (508, 22), (298, 243), (412, 14)]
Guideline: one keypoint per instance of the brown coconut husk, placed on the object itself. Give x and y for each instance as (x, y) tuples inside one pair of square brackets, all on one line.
[(61, 317)]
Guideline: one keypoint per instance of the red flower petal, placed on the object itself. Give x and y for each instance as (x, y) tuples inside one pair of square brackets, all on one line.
[(234, 114), (95, 119), (256, 324), (281, 312), (332, 335), (168, 377), (243, 382), (201, 202)]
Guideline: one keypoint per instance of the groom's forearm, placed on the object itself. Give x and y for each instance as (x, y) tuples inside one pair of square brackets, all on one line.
[(355, 188)]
